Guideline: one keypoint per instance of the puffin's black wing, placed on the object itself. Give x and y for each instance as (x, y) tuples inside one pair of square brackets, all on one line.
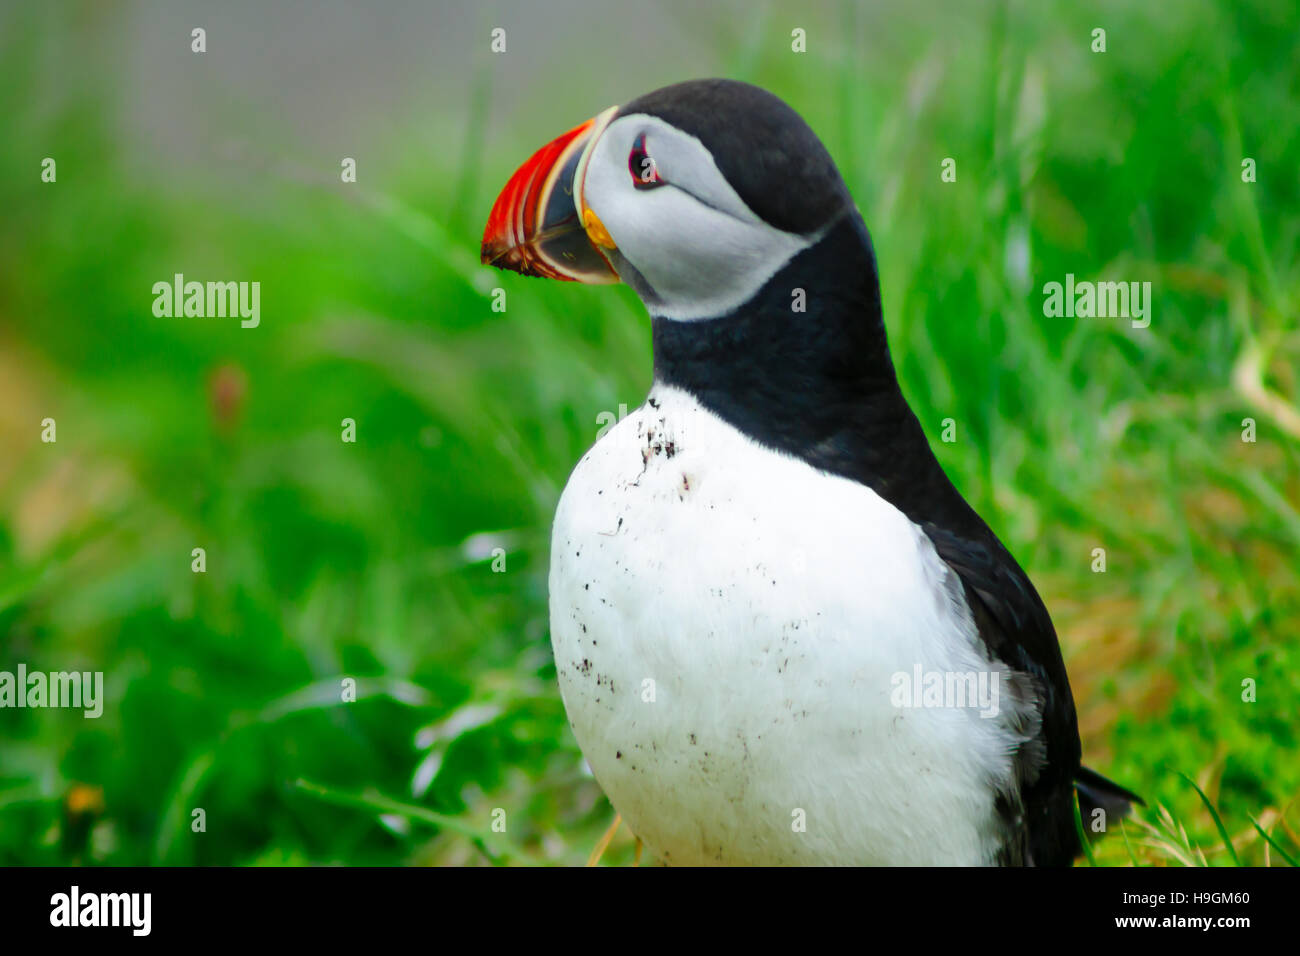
[(1016, 628)]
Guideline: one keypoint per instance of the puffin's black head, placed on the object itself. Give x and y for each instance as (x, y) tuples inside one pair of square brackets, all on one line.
[(696, 195), (763, 148)]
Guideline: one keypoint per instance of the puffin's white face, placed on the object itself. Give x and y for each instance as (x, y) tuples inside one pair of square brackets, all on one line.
[(680, 234)]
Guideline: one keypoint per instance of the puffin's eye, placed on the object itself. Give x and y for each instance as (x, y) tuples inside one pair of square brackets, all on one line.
[(645, 174)]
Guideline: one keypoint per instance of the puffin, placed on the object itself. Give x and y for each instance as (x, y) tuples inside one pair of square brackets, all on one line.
[(781, 634)]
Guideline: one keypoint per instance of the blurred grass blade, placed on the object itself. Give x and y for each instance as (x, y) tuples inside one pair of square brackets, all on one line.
[(1214, 814), (1274, 844), (381, 805)]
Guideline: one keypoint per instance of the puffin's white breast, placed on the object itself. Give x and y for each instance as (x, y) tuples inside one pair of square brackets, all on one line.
[(729, 625)]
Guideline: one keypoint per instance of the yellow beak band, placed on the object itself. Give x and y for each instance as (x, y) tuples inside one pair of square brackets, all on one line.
[(596, 230)]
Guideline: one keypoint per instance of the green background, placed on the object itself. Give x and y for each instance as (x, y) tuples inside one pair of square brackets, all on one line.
[(371, 560)]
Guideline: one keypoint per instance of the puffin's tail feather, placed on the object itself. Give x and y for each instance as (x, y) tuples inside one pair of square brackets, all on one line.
[(1098, 793)]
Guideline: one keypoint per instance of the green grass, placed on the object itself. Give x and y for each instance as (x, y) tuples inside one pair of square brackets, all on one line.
[(328, 560)]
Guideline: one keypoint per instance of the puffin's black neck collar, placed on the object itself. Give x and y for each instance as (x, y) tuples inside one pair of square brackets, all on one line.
[(817, 384)]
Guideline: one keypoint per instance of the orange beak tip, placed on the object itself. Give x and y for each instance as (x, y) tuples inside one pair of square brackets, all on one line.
[(534, 227)]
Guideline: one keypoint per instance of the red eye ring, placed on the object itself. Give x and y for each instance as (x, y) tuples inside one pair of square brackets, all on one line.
[(645, 173)]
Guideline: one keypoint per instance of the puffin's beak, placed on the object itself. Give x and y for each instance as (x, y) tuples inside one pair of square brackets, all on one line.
[(539, 225)]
